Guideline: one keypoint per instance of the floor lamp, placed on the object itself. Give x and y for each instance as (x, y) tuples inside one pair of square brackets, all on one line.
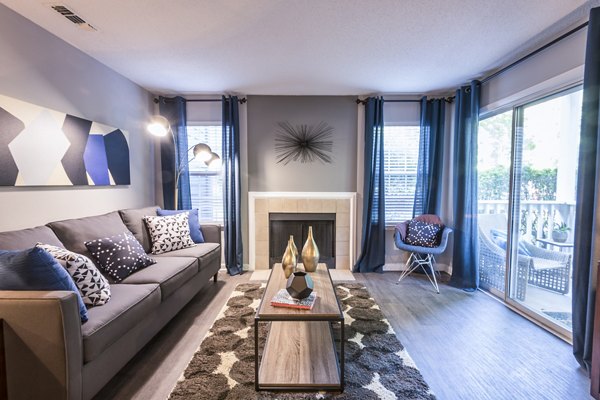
[(160, 126)]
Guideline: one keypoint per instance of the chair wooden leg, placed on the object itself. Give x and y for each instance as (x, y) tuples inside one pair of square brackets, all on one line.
[(215, 277)]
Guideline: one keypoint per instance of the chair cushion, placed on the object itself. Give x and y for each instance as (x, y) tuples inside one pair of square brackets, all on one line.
[(75, 232), (169, 233), (429, 218), (169, 272), (423, 234), (401, 229), (129, 305), (134, 221), (27, 238), (204, 252), (500, 238)]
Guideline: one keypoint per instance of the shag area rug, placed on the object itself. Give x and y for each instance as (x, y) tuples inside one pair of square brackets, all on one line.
[(377, 365)]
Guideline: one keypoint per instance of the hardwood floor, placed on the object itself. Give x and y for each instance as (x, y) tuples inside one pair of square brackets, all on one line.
[(467, 345), (471, 346)]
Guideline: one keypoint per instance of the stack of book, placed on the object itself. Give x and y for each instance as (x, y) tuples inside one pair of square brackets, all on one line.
[(283, 299)]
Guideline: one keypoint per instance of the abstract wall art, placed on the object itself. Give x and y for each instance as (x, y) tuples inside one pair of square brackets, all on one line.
[(43, 147), (304, 143)]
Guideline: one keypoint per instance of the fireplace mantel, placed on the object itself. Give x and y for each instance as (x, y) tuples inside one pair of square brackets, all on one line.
[(260, 204)]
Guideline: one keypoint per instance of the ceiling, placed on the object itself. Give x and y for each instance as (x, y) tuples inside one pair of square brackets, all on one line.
[(303, 47)]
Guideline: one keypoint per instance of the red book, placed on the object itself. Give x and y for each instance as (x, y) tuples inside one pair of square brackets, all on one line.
[(283, 299)]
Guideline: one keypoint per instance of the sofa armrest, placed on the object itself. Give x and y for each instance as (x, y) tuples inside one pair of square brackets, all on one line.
[(42, 342), (211, 233)]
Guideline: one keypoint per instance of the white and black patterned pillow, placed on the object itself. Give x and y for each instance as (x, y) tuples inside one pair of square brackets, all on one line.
[(423, 234), (93, 287), (169, 233), (120, 255)]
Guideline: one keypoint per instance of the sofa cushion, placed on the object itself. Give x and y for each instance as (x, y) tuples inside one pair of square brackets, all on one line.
[(75, 232), (169, 233), (204, 252), (93, 287), (194, 221), (134, 221), (129, 305), (119, 255), (27, 238), (36, 269), (169, 272)]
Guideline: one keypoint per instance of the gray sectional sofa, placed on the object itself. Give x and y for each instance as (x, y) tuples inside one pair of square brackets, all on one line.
[(49, 354)]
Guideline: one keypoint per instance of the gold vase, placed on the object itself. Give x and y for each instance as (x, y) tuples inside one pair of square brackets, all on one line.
[(310, 253), (288, 262), (293, 246)]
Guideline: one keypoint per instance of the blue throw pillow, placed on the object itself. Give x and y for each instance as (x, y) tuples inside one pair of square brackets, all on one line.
[(36, 269), (499, 237), (195, 232)]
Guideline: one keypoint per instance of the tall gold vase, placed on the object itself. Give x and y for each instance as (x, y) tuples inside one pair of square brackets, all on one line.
[(289, 260), (293, 246), (310, 253)]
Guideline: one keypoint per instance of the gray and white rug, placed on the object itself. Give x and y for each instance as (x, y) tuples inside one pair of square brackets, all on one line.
[(377, 365)]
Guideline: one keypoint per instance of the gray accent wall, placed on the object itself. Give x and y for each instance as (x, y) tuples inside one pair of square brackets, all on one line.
[(266, 175), (40, 68)]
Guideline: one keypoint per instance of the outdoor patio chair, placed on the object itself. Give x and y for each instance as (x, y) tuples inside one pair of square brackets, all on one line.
[(542, 268), (423, 257)]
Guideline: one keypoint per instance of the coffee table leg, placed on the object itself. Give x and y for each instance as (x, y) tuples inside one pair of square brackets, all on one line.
[(256, 354), (342, 356)]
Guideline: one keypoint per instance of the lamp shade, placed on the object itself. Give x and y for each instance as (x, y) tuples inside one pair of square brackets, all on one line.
[(202, 152), (159, 126), (214, 162)]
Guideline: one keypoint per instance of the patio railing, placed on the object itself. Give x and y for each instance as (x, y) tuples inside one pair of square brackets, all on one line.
[(537, 218)]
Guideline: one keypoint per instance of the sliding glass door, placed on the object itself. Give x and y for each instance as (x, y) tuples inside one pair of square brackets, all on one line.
[(532, 222)]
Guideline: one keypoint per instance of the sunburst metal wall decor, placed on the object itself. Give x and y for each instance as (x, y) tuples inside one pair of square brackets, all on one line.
[(304, 143)]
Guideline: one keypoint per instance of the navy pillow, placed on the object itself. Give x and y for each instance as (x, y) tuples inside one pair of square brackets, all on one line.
[(423, 234), (195, 232), (36, 269), (499, 237)]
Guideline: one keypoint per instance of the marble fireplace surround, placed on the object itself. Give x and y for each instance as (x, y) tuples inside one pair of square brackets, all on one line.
[(343, 204)]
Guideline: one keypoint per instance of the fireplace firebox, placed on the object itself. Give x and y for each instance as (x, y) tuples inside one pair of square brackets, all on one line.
[(282, 225)]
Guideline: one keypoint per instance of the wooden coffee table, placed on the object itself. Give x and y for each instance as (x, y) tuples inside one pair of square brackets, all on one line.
[(300, 351)]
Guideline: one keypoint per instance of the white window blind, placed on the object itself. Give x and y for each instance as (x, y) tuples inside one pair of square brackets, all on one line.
[(206, 185), (401, 156)]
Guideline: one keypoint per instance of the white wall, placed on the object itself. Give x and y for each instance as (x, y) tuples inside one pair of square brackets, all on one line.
[(39, 68), (558, 66)]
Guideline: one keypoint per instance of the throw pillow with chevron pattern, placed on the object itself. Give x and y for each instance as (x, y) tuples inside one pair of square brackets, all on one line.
[(169, 233), (93, 287)]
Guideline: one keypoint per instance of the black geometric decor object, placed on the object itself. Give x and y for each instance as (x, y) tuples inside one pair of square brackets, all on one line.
[(304, 143), (77, 131), (300, 285), (10, 127)]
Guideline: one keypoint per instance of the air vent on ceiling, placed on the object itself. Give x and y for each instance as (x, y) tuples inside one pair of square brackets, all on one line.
[(71, 16)]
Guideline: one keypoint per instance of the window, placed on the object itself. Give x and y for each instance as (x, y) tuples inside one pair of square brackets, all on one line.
[(401, 156), (206, 185)]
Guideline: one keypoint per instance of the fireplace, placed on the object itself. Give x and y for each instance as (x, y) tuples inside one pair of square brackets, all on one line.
[(310, 206), (282, 225)]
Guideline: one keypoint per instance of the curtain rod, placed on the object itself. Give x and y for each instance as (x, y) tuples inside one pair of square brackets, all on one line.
[(241, 101), (533, 53), (447, 99)]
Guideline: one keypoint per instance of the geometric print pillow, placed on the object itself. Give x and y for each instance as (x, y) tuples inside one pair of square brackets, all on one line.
[(119, 255), (423, 234), (93, 287), (169, 233)]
